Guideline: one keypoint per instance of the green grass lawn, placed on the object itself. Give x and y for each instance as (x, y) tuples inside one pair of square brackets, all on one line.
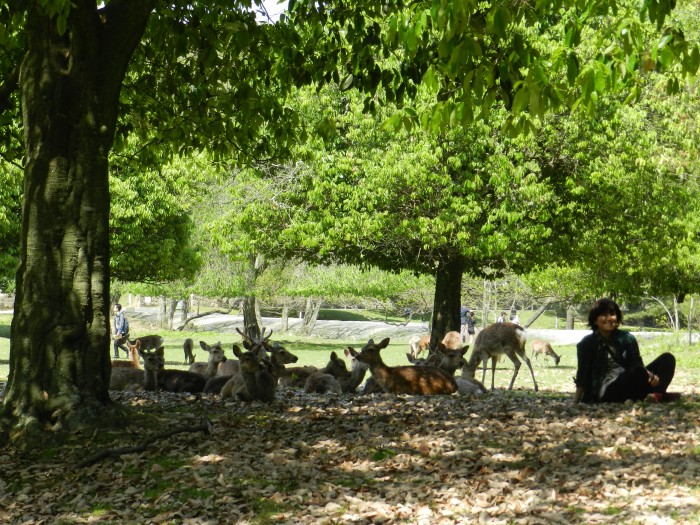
[(312, 351)]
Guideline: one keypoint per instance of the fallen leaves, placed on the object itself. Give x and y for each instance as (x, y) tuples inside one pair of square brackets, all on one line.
[(508, 457)]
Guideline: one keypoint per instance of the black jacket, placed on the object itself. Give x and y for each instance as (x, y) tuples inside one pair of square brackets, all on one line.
[(592, 353)]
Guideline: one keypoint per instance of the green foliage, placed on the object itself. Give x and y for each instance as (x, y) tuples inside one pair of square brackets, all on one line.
[(151, 226), (469, 54)]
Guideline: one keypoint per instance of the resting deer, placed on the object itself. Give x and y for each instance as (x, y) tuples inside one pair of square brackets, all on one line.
[(450, 361), (188, 348), (329, 379), (492, 342), (216, 358), (540, 346), (426, 380), (137, 379), (253, 382), (149, 342), (179, 380), (452, 340), (133, 361)]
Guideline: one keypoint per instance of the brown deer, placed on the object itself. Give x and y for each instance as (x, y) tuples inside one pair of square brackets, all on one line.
[(540, 346), (330, 378), (492, 342), (216, 358), (133, 361), (130, 378), (450, 361), (253, 382), (452, 340), (188, 348), (179, 380), (425, 380), (417, 344), (149, 342)]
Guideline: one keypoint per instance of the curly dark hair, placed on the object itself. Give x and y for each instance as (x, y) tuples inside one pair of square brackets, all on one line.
[(603, 306)]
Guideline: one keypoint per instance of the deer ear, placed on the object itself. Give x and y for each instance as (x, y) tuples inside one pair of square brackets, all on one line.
[(334, 356), (204, 345), (384, 343), (464, 349)]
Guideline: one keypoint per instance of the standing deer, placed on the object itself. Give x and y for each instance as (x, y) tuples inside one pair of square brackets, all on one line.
[(426, 380), (188, 348), (492, 342), (539, 346), (149, 342), (417, 344)]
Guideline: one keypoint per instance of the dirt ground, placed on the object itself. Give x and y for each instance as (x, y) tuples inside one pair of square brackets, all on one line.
[(501, 458)]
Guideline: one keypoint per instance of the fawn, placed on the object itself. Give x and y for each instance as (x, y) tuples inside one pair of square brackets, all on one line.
[(188, 348), (133, 361), (540, 346)]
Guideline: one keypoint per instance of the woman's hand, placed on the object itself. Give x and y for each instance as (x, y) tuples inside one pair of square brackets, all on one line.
[(653, 379)]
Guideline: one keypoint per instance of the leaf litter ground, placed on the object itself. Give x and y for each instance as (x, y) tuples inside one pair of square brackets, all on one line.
[(507, 457)]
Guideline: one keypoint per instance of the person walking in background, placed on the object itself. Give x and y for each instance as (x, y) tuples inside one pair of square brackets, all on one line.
[(610, 368), (514, 316), (471, 326), (463, 311), (121, 331)]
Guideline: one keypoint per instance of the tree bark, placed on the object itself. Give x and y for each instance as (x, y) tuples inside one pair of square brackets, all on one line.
[(69, 85), (447, 302), (250, 319), (538, 313)]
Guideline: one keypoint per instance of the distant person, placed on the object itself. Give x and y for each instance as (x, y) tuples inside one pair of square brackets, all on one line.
[(610, 368), (514, 317), (501, 318), (463, 311), (121, 331), (471, 327)]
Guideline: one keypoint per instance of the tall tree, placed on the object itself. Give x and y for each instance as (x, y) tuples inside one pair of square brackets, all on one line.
[(183, 68)]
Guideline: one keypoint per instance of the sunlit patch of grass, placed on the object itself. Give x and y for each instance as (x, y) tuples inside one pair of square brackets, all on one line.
[(266, 509), (382, 454), (612, 511), (99, 510)]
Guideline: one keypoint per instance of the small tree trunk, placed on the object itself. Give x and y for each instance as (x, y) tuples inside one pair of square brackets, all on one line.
[(538, 313), (250, 319), (570, 317), (162, 312), (285, 319), (172, 306)]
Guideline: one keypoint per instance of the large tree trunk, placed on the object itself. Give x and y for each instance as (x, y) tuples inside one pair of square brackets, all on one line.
[(250, 319), (448, 289), (69, 83)]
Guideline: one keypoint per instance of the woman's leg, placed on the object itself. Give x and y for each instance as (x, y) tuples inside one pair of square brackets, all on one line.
[(663, 366), (631, 384)]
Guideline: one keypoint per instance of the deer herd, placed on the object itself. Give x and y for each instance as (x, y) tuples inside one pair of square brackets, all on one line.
[(260, 367)]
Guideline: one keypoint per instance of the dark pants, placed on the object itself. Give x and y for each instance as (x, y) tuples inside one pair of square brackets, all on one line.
[(634, 383), (120, 343)]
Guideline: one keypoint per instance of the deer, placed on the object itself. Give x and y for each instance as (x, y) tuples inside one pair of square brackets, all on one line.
[(425, 380), (417, 344), (493, 341), (188, 348), (253, 382), (216, 359), (540, 346), (133, 361), (178, 380), (450, 360), (329, 379), (130, 378), (148, 342)]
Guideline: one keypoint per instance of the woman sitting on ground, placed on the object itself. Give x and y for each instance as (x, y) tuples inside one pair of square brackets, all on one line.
[(610, 368)]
